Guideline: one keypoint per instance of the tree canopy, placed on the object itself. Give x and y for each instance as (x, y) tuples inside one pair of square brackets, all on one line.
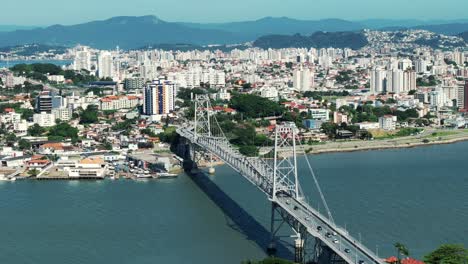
[(448, 254), (254, 106), (90, 115)]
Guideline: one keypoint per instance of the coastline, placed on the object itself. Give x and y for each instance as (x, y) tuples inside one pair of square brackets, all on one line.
[(383, 147)]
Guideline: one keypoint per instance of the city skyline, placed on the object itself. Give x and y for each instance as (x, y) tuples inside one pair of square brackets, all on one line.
[(206, 11)]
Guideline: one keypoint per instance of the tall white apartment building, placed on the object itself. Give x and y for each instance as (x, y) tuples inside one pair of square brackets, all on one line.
[(82, 59), (105, 65), (303, 79), (378, 80), (459, 57)]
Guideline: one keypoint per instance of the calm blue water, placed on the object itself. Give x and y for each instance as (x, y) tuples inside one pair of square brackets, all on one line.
[(415, 196), (4, 64)]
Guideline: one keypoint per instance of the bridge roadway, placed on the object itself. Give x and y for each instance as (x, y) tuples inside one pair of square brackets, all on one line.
[(260, 174)]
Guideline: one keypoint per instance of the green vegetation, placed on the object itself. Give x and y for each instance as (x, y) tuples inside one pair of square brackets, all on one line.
[(90, 115), (26, 113), (81, 77), (253, 106), (33, 172), (369, 113), (126, 125), (448, 254), (318, 95), (443, 133), (404, 132), (62, 131), (169, 135), (343, 76), (402, 250), (36, 130), (148, 132), (39, 71), (408, 131), (23, 144), (429, 81)]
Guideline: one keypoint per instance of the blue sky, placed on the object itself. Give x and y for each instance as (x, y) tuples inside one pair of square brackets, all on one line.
[(47, 12)]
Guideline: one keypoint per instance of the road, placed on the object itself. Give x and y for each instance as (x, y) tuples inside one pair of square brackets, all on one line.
[(335, 237)]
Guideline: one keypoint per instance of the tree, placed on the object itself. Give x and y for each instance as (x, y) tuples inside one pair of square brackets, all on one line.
[(36, 130), (23, 144), (401, 249), (107, 145), (249, 151), (90, 115), (448, 254), (63, 130), (27, 113), (254, 106), (10, 138), (33, 172)]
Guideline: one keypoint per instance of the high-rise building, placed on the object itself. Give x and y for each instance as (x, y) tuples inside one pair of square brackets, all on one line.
[(409, 81), (459, 57), (159, 98), (303, 79), (46, 101), (392, 81), (420, 66), (82, 59), (462, 101), (105, 65), (378, 81), (405, 64)]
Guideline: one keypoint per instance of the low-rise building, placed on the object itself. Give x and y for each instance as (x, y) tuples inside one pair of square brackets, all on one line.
[(44, 119), (388, 122)]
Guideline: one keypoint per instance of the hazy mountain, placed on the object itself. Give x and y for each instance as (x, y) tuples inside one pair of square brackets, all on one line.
[(280, 25), (7, 28), (405, 23), (446, 29), (135, 32), (464, 35), (126, 32), (354, 40)]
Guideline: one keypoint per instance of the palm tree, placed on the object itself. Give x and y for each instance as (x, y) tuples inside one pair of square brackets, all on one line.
[(402, 250)]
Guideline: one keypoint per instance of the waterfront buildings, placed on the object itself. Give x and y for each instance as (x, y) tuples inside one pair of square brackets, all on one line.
[(388, 122)]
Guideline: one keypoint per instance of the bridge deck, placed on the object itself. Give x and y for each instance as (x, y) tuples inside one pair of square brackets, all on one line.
[(260, 175)]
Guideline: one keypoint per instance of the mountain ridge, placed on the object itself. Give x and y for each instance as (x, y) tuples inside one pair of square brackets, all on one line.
[(131, 32)]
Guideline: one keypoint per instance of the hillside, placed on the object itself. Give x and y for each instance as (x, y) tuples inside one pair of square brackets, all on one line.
[(126, 32), (353, 40), (280, 26)]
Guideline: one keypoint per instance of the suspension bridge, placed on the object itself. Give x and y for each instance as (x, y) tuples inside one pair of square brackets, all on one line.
[(316, 237)]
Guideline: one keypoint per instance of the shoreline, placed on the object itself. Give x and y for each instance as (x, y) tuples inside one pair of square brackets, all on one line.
[(384, 147)]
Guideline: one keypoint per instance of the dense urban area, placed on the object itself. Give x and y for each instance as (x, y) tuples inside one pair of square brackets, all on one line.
[(83, 113)]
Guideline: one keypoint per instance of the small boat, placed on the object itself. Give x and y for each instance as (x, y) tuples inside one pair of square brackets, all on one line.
[(162, 175), (143, 176)]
